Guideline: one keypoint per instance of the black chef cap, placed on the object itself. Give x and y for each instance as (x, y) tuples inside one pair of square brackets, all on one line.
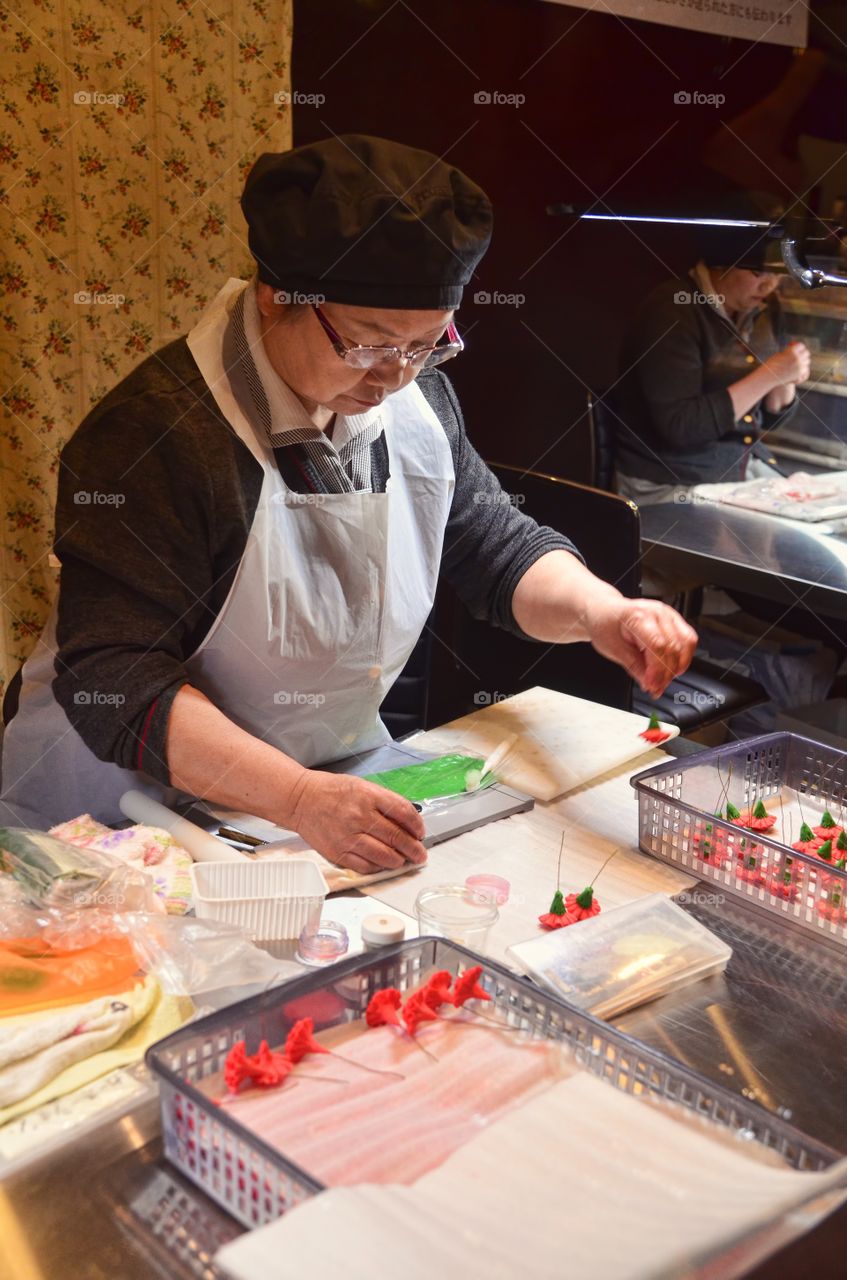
[(367, 222)]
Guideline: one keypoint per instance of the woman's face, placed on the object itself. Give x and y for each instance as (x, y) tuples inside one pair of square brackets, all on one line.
[(742, 290), (301, 352)]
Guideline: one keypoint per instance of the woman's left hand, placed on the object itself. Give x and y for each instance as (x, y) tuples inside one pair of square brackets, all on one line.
[(648, 639)]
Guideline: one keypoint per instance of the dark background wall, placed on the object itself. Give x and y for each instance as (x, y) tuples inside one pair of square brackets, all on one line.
[(599, 121)]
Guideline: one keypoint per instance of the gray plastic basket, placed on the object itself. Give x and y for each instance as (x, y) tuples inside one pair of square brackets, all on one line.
[(676, 823), (256, 1183)]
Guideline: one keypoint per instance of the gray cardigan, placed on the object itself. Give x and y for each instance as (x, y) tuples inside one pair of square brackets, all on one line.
[(675, 419)]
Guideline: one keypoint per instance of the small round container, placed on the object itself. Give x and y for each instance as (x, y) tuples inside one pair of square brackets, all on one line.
[(487, 888), (322, 943), (453, 911), (381, 930)]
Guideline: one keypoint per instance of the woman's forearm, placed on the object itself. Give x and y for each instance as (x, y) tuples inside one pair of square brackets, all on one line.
[(555, 597), (749, 390), (780, 398), (213, 759)]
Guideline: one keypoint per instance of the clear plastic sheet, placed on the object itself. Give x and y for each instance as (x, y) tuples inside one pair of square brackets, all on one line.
[(189, 956)]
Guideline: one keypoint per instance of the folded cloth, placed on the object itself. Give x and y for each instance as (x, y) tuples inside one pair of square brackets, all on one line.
[(149, 848), (151, 1016), (35, 1051)]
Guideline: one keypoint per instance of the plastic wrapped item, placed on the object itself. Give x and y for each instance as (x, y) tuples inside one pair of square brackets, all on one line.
[(624, 957), (54, 874)]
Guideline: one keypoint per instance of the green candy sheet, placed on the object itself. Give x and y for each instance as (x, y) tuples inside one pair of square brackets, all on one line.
[(431, 779)]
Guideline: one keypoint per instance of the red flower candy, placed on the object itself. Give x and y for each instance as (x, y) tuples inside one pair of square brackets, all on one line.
[(235, 1069), (829, 828), (468, 988), (300, 1041), (757, 819), (266, 1068), (557, 916), (383, 1008), (416, 1010), (783, 886), (711, 846), (654, 731), (581, 906), (751, 872), (437, 990)]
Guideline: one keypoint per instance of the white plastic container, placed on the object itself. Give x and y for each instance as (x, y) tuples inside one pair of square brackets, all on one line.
[(274, 900)]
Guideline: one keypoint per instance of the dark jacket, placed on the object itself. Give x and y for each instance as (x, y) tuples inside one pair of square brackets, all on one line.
[(676, 423)]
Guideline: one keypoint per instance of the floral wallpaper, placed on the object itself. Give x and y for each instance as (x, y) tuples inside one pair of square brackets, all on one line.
[(126, 131)]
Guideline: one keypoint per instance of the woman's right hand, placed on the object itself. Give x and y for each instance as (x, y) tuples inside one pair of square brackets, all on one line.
[(791, 365), (355, 823)]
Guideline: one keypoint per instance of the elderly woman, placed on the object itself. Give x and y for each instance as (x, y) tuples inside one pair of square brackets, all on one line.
[(252, 524), (706, 371)]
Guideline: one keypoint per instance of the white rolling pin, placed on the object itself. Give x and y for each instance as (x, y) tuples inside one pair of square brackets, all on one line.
[(202, 846)]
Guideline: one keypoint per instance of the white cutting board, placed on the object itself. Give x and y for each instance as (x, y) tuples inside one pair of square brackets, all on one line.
[(563, 742)]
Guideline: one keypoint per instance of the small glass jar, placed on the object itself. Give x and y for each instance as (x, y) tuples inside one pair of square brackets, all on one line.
[(322, 943), (453, 911)]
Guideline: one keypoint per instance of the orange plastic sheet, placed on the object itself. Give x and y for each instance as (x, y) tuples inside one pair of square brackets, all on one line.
[(34, 975)]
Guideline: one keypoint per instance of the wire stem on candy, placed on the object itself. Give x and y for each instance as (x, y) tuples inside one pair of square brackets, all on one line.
[(297, 1075), (477, 1013), (605, 864), (422, 1048), (377, 1071)]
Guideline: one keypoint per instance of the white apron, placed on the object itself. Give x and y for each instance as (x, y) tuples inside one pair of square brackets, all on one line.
[(329, 599)]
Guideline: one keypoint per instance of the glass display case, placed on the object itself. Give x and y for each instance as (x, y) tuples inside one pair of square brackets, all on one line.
[(817, 432)]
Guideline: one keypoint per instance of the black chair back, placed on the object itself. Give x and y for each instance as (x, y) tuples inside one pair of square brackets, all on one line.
[(602, 436), (474, 663)]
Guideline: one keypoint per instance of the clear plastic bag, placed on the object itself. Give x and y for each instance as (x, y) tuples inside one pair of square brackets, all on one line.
[(188, 956), (56, 875), (70, 917)]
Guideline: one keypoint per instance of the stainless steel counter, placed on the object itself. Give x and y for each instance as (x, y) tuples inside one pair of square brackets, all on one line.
[(774, 1028), (108, 1207), (781, 560)]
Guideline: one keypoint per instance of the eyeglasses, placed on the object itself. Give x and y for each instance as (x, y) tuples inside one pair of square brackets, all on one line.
[(360, 357)]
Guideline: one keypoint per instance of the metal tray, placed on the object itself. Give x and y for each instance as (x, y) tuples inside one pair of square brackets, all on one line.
[(676, 824), (256, 1183)]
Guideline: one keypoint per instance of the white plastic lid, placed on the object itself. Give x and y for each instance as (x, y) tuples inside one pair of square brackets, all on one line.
[(379, 930)]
